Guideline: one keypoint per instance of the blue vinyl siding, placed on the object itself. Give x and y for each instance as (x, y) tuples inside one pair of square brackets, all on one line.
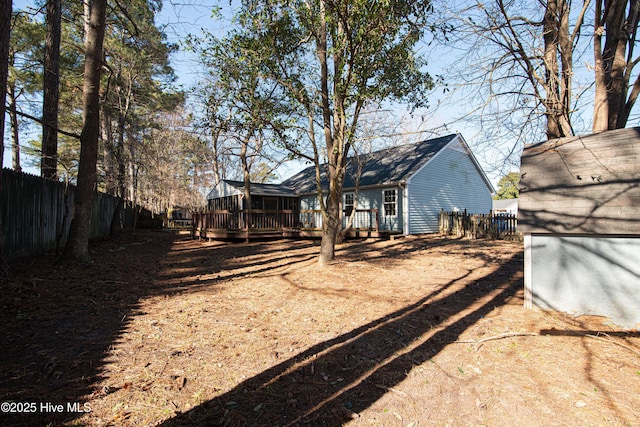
[(450, 181), (373, 199), (367, 199)]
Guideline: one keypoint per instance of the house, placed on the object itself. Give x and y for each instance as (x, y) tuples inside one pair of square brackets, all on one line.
[(505, 206), (399, 190), (579, 208)]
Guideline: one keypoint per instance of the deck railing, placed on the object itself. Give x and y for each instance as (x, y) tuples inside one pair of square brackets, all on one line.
[(364, 219), (251, 219), (257, 220)]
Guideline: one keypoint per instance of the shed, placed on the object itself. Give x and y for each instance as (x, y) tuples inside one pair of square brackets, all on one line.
[(579, 209)]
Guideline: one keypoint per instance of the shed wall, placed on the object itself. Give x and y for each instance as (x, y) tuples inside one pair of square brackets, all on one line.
[(451, 182), (582, 185), (586, 275)]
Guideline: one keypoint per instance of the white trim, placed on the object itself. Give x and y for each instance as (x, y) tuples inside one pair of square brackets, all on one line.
[(528, 273), (344, 200), (405, 208), (384, 210)]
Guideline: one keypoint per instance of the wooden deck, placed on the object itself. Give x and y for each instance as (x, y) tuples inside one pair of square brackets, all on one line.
[(264, 224)]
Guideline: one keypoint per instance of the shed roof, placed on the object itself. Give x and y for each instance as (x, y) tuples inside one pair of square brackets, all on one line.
[(582, 185), (384, 167)]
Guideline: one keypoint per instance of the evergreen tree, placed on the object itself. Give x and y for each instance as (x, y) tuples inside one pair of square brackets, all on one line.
[(508, 186)]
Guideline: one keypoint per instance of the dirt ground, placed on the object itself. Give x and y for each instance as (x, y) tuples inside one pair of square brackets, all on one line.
[(419, 331)]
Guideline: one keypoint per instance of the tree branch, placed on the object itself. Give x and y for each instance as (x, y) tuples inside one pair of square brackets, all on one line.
[(37, 120)]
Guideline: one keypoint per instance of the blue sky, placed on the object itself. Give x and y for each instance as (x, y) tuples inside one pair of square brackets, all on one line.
[(183, 17)]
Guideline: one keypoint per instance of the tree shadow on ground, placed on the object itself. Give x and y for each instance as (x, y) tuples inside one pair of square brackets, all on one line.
[(207, 265), (333, 381), (59, 323)]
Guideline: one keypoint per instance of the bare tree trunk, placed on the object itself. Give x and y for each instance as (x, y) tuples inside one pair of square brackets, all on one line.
[(108, 152), (566, 73), (5, 39), (331, 224), (557, 76), (215, 136), (132, 169), (51, 76), (246, 172), (600, 101), (133, 177), (15, 134), (77, 248), (616, 48), (86, 5), (331, 220), (617, 21), (120, 179)]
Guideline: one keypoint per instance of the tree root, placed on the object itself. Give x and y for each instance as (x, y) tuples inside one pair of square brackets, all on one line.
[(477, 343)]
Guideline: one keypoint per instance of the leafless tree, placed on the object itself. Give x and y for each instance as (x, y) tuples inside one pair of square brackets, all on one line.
[(535, 70), (616, 87), (173, 165), (519, 63)]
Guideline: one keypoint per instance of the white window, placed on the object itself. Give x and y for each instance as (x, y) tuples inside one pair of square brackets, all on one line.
[(390, 205), (348, 203)]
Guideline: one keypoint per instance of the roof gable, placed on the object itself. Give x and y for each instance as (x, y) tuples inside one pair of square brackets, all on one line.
[(384, 167), (584, 184)]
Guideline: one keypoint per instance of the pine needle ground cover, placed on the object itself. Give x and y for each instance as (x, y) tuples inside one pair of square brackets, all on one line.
[(419, 331)]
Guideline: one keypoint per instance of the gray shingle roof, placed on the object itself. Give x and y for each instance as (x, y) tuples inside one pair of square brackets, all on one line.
[(263, 189), (389, 166)]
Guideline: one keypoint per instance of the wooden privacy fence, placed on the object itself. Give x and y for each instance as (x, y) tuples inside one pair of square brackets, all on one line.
[(491, 225), (35, 214)]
